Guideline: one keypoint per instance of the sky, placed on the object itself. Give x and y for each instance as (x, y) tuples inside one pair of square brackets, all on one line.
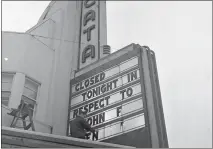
[(180, 34)]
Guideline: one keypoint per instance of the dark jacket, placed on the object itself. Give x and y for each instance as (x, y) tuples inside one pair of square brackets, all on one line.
[(78, 127)]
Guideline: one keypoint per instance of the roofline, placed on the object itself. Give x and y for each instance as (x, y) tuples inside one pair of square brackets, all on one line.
[(41, 19), (46, 10)]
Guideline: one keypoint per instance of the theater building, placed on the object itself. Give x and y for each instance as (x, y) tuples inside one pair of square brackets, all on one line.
[(63, 65)]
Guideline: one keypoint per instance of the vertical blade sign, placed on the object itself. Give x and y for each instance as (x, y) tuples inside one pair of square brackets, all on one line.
[(89, 33)]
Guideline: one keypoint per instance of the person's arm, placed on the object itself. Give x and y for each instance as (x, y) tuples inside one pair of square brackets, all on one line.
[(87, 126)]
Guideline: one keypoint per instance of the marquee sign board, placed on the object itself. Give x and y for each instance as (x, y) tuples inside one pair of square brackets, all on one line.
[(114, 99)]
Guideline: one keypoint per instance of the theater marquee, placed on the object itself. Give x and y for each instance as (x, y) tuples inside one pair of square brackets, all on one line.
[(112, 97)]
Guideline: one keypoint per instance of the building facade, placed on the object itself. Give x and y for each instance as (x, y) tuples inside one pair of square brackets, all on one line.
[(58, 65)]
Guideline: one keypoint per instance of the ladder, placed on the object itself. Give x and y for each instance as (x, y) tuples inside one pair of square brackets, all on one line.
[(21, 114)]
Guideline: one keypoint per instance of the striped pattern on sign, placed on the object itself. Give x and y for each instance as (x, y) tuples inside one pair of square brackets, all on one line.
[(109, 73), (115, 112), (106, 87), (121, 127), (105, 102)]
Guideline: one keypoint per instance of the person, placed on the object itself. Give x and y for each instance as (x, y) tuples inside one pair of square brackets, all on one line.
[(79, 126)]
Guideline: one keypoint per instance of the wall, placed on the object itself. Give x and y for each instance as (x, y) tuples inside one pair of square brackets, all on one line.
[(45, 54), (5, 118), (52, 8), (66, 18), (59, 31), (48, 53), (19, 138), (28, 56), (65, 56)]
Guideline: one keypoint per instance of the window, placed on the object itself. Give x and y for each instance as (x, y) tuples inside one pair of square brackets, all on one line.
[(7, 79), (30, 93)]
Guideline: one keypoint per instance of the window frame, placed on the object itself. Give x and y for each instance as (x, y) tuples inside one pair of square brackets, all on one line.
[(12, 82), (8, 97), (37, 95)]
